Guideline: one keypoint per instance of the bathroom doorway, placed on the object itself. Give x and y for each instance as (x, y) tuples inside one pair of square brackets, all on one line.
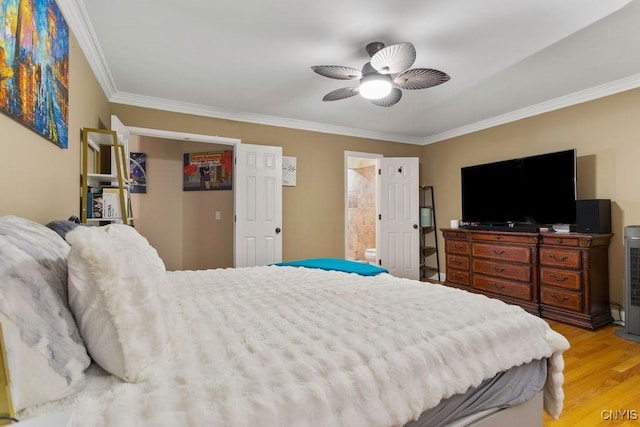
[(361, 206)]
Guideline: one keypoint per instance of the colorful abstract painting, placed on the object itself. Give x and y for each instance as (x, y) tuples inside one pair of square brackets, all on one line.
[(34, 67)]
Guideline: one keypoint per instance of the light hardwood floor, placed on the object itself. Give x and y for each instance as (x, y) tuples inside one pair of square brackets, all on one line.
[(602, 373)]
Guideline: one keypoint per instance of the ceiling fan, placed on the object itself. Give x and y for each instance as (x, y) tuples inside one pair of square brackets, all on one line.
[(383, 77)]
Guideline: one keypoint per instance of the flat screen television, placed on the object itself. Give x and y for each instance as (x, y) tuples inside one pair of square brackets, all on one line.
[(539, 190)]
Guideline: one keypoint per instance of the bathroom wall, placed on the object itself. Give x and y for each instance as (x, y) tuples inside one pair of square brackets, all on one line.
[(362, 209)]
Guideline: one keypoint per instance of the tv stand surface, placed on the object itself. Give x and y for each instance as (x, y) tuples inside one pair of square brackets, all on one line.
[(510, 227)]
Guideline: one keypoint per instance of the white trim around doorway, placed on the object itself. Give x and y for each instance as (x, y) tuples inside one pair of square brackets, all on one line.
[(183, 136)]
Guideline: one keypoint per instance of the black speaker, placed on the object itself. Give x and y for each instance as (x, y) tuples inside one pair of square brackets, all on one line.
[(593, 216)]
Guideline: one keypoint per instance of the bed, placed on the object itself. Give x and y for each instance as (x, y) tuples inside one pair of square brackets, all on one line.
[(95, 326)]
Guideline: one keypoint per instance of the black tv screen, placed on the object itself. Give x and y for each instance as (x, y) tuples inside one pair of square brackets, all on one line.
[(531, 190)]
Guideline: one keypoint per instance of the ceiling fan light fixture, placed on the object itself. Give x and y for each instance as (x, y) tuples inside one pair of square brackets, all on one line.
[(384, 77), (375, 86)]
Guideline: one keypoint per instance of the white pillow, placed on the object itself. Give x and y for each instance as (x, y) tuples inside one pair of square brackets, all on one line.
[(118, 295), (45, 354)]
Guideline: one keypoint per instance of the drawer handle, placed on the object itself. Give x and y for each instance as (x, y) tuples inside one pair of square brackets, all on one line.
[(498, 237), (456, 261), (558, 258), (559, 241), (497, 286), (497, 252), (498, 269), (559, 279), (457, 276), (557, 298), (458, 246)]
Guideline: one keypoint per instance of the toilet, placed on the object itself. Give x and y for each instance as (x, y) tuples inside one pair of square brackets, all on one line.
[(370, 255)]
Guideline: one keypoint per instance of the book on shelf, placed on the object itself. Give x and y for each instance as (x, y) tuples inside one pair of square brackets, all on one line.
[(89, 204), (111, 202), (97, 205), (94, 203), (95, 196)]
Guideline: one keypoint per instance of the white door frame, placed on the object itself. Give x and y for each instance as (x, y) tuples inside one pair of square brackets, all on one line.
[(359, 154), (183, 136)]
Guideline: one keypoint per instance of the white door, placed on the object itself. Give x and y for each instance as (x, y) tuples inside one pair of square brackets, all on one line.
[(398, 241), (258, 205)]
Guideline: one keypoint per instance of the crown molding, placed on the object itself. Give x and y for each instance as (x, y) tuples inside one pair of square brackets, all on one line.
[(611, 88), (221, 113), (76, 16)]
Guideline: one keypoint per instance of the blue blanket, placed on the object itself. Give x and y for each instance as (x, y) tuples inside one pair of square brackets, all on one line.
[(336, 264)]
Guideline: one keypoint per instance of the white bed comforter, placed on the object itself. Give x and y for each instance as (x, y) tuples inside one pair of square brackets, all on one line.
[(285, 346)]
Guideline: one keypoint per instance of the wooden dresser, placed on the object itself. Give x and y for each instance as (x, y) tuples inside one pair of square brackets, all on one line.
[(557, 276)]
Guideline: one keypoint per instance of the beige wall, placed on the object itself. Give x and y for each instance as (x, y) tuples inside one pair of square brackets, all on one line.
[(39, 180), (313, 211), (605, 133), (181, 225)]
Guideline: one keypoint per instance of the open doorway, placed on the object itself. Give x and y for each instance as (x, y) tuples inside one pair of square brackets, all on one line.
[(361, 206), (191, 230)]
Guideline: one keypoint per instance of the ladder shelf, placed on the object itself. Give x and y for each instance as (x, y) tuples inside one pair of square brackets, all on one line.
[(429, 256), (108, 176)]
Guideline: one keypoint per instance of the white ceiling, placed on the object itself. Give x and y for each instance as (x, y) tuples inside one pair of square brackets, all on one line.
[(250, 60)]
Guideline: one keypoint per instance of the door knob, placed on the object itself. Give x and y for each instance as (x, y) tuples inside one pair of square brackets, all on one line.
[(415, 226), (278, 230)]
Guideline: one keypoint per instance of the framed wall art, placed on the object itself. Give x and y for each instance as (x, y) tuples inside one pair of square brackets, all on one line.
[(211, 170), (289, 171), (138, 172), (34, 67)]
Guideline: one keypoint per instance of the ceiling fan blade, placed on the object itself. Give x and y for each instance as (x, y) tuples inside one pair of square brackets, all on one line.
[(337, 72), (420, 78), (394, 59), (342, 93), (390, 99)]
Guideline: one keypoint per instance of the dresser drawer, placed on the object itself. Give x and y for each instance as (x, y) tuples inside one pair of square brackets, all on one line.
[(454, 234), (502, 287), (458, 247), (524, 238), (501, 252), (562, 278), (556, 240), (560, 258), (460, 262), (458, 276), (505, 270), (559, 298)]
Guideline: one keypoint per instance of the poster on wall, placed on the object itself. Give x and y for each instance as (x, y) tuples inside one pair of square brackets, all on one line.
[(138, 172), (211, 170), (289, 171), (34, 67)]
